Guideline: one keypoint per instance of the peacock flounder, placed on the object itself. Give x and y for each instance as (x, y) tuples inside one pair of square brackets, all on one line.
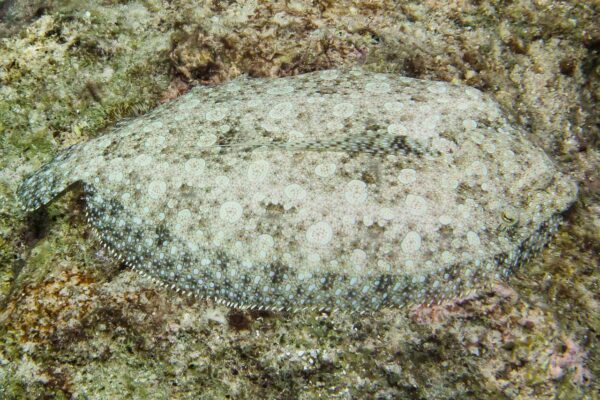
[(329, 190)]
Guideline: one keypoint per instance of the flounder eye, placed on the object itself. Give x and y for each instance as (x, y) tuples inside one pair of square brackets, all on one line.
[(510, 217)]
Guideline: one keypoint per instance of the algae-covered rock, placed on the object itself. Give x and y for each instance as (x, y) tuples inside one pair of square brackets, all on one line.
[(333, 189)]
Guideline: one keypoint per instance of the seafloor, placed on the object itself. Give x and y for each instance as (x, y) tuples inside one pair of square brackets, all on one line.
[(76, 324)]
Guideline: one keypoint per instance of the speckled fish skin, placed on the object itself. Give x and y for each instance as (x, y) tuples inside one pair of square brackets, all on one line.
[(330, 190)]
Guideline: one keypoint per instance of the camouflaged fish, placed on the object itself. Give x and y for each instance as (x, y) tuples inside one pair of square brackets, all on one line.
[(329, 190)]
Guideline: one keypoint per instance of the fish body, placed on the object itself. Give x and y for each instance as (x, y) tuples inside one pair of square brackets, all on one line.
[(328, 190)]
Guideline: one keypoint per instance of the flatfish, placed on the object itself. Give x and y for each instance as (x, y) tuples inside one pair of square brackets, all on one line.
[(336, 189)]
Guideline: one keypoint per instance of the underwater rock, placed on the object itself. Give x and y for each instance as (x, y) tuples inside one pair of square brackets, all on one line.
[(328, 190)]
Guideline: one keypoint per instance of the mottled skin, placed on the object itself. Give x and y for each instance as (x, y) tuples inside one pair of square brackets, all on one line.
[(333, 189)]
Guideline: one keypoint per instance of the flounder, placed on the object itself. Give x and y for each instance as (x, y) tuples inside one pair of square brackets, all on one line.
[(329, 190)]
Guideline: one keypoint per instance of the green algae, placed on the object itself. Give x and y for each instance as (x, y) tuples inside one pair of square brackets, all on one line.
[(44, 99)]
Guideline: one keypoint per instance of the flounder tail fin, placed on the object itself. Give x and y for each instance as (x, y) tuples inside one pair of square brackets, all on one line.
[(49, 181)]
